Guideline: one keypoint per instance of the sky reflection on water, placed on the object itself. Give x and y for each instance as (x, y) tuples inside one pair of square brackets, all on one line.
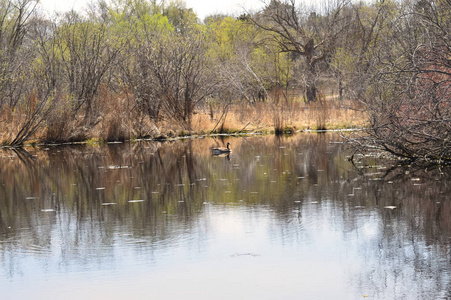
[(286, 218)]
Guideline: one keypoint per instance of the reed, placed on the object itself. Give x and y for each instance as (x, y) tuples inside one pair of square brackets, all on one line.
[(116, 118)]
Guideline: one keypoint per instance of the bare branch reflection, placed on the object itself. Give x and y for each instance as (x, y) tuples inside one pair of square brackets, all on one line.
[(79, 203)]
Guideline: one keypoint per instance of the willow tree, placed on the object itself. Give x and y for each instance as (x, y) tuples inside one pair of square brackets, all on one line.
[(15, 50), (164, 68), (23, 109), (145, 30), (87, 52), (183, 76), (231, 44)]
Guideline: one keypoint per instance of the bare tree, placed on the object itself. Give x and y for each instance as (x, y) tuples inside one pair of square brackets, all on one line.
[(356, 57), (18, 89), (183, 75), (410, 111), (140, 77), (171, 75), (87, 51), (15, 57), (311, 35)]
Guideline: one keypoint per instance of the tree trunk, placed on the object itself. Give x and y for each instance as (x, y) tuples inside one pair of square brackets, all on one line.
[(311, 60), (188, 111), (310, 91), (310, 85)]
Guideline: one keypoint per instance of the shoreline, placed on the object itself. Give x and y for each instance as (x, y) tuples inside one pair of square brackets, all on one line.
[(163, 138)]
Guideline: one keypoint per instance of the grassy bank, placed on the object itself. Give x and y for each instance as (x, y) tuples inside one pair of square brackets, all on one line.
[(117, 121), (287, 118)]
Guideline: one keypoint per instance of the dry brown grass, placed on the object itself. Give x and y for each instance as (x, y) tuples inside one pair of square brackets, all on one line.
[(267, 118), (8, 125), (14, 120), (118, 119)]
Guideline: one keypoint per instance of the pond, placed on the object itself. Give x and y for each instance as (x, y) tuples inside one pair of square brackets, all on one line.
[(278, 218)]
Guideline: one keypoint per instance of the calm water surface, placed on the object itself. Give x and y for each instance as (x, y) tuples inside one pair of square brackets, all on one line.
[(280, 218)]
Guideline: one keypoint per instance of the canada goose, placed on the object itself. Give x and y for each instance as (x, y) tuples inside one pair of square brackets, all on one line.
[(221, 150)]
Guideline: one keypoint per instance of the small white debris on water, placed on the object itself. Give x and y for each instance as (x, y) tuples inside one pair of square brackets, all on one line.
[(245, 254), (390, 207)]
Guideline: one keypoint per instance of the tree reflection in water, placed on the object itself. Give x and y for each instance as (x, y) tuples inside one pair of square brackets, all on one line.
[(78, 208)]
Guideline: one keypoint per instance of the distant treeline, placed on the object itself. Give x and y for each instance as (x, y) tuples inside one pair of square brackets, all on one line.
[(122, 67)]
